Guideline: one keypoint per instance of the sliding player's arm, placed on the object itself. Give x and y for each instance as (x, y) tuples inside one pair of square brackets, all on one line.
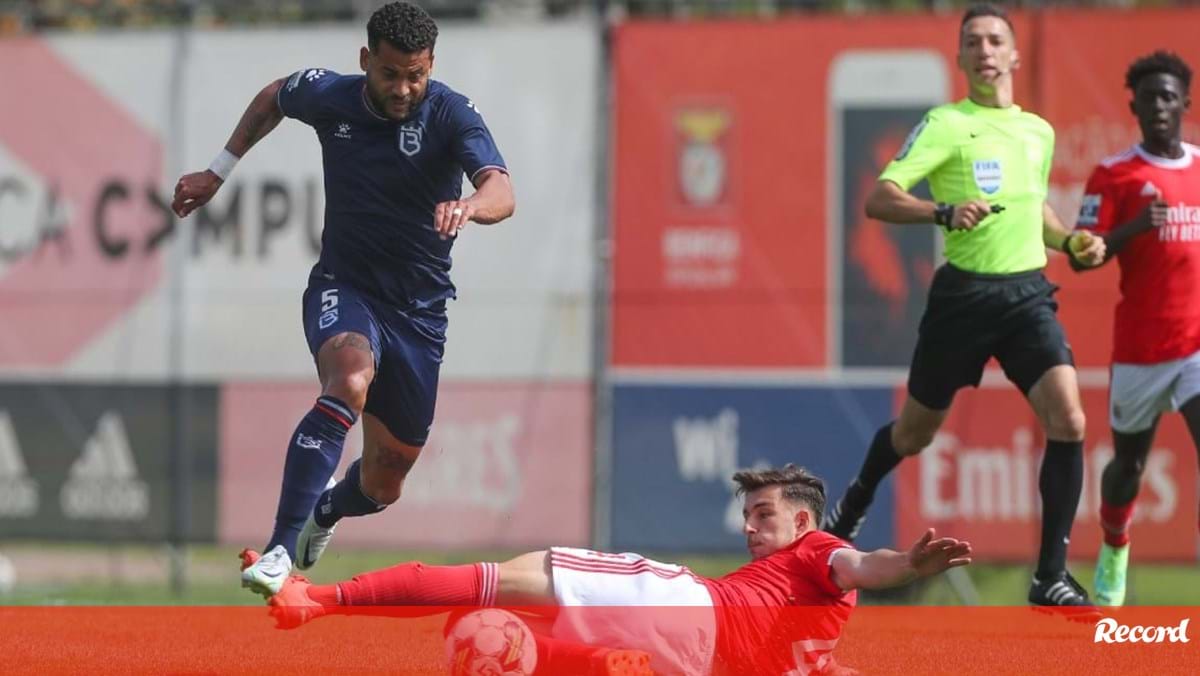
[(262, 115), (883, 568)]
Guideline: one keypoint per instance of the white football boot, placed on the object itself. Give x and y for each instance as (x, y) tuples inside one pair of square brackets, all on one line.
[(266, 574)]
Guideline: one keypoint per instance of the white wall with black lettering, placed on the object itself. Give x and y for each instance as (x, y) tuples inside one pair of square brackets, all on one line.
[(84, 233)]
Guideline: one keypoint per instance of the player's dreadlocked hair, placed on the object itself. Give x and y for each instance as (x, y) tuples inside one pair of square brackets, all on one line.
[(985, 9), (1159, 62), (799, 485), (404, 26)]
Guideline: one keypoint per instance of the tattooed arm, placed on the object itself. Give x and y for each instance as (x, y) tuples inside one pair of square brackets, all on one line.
[(262, 115)]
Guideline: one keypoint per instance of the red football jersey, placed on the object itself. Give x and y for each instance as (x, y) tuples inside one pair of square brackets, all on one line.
[(783, 610), (1158, 316)]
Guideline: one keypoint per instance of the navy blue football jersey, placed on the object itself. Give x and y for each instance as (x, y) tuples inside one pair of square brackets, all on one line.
[(383, 179)]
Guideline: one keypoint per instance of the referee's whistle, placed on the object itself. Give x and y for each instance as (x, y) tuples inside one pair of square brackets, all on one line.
[(997, 208)]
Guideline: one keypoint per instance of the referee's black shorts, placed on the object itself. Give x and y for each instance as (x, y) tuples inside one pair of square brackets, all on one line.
[(971, 317)]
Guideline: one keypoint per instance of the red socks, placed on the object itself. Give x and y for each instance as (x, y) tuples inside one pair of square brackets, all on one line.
[(416, 584), (325, 594), (1115, 522)]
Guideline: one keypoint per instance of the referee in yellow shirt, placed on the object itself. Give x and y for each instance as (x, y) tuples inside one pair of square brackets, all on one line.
[(988, 166)]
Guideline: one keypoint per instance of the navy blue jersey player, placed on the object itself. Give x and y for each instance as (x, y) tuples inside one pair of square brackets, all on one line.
[(395, 146)]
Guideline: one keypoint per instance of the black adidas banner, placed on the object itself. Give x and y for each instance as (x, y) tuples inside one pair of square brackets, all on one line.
[(104, 462)]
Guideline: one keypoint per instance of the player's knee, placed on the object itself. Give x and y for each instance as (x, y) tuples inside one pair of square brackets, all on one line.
[(350, 387), (1077, 426), (384, 473), (1068, 425)]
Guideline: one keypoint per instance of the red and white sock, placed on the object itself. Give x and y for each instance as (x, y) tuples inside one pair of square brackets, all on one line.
[(416, 584), (1115, 521)]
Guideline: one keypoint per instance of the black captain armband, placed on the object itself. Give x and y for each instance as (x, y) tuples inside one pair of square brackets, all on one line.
[(943, 214)]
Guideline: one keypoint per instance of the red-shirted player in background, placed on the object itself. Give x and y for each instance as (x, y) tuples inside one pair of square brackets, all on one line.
[(1145, 202), (782, 611)]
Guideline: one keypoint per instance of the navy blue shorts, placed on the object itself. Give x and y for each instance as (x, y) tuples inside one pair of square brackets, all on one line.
[(407, 348)]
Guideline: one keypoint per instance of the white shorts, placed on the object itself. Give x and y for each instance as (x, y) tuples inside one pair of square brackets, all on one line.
[(675, 622), (1139, 393)]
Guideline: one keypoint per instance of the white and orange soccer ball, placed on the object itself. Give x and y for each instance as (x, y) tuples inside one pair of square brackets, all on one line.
[(491, 642)]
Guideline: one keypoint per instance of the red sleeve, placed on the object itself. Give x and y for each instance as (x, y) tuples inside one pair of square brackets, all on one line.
[(1098, 210), (816, 555)]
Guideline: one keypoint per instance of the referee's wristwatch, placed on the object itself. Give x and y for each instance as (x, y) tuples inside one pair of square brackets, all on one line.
[(943, 214), (1065, 247)]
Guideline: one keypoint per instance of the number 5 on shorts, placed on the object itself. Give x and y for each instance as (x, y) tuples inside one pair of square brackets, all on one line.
[(329, 299), (329, 313)]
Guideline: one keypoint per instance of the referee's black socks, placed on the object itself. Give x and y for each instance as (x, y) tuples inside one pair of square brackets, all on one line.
[(881, 460), (1060, 483)]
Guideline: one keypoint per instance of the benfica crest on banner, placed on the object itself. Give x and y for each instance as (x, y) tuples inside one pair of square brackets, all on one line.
[(703, 155)]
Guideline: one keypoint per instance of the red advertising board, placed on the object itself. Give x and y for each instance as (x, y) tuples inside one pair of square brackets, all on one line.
[(978, 480), (727, 215), (1081, 91), (723, 181)]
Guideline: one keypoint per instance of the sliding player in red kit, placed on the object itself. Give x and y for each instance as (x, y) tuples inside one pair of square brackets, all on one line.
[(784, 611)]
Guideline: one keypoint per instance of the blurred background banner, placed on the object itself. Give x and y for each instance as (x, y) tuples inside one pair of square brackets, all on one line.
[(507, 465), (979, 480), (688, 285), (84, 200), (85, 294), (731, 208), (1080, 75), (676, 447), (742, 257), (93, 462)]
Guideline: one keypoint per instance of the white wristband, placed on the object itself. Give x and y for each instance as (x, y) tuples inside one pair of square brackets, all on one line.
[(223, 164)]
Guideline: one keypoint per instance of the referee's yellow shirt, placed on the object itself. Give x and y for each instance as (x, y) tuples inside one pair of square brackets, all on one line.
[(1001, 155)]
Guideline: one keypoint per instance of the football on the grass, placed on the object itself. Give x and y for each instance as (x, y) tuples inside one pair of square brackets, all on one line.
[(491, 642)]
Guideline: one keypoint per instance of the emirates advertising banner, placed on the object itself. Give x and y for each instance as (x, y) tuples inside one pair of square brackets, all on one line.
[(978, 480)]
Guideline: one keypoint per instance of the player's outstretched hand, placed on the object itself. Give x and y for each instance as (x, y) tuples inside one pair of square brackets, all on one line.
[(194, 191), (930, 556), (970, 214), (450, 217), (1087, 248)]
